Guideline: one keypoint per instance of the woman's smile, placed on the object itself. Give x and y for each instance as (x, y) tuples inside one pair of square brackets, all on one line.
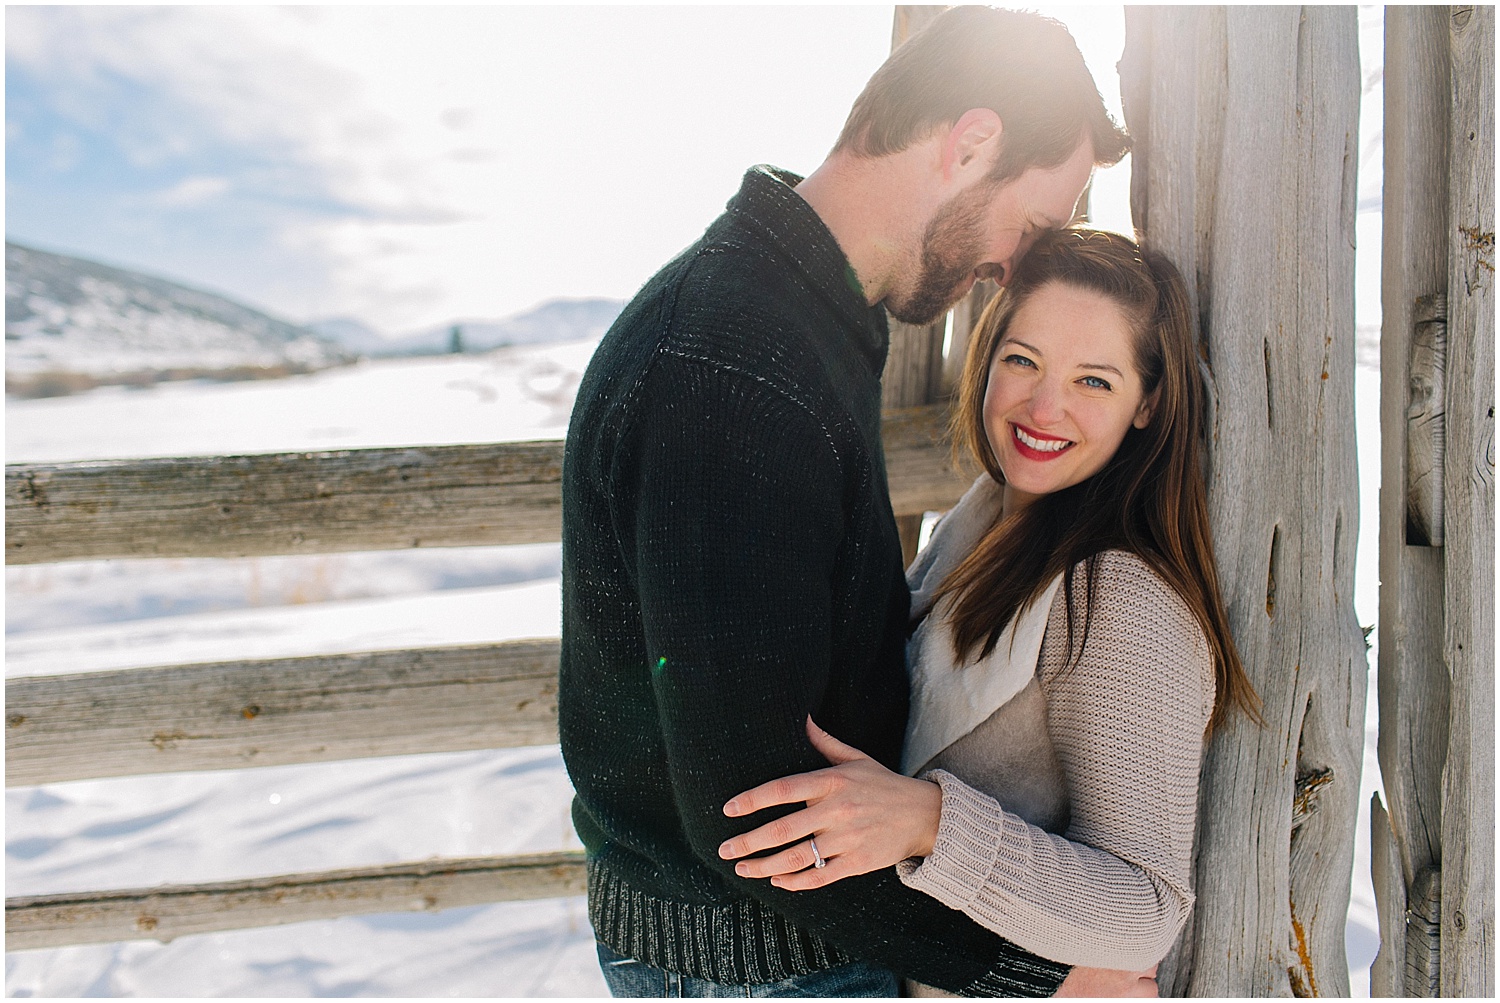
[(1035, 446)]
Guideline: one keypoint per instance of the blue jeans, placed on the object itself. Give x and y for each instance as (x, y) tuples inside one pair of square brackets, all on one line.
[(629, 977)]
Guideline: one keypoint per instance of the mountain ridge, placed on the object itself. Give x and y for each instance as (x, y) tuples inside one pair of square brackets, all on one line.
[(554, 320), (72, 324)]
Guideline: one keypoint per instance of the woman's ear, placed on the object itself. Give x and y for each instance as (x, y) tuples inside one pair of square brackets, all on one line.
[(1147, 409)]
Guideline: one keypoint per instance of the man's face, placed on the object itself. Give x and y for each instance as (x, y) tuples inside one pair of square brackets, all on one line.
[(983, 231)]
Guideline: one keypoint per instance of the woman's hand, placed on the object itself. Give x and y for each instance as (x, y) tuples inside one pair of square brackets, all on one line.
[(861, 816)]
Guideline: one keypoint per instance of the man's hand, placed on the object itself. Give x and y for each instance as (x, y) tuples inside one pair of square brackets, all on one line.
[(1110, 982)]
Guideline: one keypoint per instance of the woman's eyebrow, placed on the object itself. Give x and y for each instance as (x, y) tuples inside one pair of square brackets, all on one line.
[(1102, 367)]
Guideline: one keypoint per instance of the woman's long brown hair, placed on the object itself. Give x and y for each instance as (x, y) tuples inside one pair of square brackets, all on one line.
[(1149, 499)]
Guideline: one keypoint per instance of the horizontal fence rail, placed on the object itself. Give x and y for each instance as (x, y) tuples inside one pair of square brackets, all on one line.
[(268, 712), (39, 921), (285, 503), (357, 499), (273, 712)]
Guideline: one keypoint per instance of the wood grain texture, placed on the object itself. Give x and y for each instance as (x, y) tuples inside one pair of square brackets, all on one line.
[(361, 499), (268, 713), (1245, 124), (1468, 829), (287, 503), (1413, 675), (40, 921), (913, 373), (919, 461), (1423, 935), (913, 370), (1412, 672), (1386, 977), (1425, 424), (966, 314)]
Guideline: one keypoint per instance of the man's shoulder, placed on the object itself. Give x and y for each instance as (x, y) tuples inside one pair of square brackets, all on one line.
[(727, 279)]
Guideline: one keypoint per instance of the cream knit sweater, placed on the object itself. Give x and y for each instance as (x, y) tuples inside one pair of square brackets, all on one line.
[(1071, 830)]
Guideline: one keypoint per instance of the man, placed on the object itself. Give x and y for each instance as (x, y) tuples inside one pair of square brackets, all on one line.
[(730, 560)]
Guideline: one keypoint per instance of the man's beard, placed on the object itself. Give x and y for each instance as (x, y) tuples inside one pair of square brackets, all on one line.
[(952, 248)]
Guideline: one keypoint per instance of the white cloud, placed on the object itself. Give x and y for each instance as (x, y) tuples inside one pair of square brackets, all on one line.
[(213, 69), (469, 161), (489, 157), (192, 191)]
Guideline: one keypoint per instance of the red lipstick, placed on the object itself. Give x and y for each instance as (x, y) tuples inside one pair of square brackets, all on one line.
[(1028, 452)]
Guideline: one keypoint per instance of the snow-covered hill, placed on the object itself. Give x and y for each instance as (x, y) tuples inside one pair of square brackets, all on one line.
[(71, 324), (552, 322)]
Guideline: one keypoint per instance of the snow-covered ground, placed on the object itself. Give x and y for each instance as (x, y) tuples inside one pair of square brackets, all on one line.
[(131, 832), (511, 394), (183, 828)]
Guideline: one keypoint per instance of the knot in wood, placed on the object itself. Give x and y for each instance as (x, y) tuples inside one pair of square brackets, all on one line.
[(34, 490), (1305, 798), (164, 740)]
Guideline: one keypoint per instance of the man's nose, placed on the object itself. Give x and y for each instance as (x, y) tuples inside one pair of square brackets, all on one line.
[(1006, 267), (999, 272)]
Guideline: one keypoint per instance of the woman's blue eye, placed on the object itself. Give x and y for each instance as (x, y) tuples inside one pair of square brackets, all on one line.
[(1095, 383), (1020, 360)]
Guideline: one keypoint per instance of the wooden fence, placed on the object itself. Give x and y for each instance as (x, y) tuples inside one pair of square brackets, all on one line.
[(1433, 838), (233, 714)]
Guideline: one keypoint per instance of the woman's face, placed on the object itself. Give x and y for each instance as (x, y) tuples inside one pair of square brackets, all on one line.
[(1063, 391)]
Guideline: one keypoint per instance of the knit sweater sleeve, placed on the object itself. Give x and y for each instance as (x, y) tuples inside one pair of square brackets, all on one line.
[(1127, 722), (730, 499)]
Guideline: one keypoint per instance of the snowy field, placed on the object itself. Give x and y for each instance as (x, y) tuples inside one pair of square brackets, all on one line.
[(185, 828)]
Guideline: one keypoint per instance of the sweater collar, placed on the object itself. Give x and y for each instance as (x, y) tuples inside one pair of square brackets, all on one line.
[(768, 202)]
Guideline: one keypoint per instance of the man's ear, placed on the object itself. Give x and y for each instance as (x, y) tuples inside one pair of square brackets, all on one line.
[(1147, 409), (972, 143)]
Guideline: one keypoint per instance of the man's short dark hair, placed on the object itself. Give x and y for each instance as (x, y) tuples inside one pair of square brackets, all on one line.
[(1024, 67)]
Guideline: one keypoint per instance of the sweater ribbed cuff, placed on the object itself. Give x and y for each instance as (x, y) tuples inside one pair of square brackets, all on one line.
[(962, 860), (742, 942), (1020, 978), (965, 853)]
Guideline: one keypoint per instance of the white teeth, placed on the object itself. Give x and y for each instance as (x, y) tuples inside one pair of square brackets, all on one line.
[(1042, 445)]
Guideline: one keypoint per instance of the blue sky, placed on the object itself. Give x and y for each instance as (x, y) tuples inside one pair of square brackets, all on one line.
[(408, 166)]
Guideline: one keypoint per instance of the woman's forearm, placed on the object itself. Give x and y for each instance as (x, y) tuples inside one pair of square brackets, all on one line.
[(1061, 899)]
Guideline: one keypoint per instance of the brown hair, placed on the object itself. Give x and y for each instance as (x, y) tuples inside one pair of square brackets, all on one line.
[(1149, 499), (1024, 67)]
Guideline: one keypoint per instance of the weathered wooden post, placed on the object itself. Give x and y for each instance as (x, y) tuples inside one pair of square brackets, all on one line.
[(917, 370), (1245, 130), (914, 364), (1433, 853), (1468, 914)]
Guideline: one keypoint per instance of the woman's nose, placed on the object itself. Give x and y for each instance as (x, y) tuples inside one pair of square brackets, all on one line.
[(1046, 403)]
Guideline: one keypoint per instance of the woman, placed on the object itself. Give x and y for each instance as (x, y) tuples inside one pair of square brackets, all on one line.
[(1070, 650)]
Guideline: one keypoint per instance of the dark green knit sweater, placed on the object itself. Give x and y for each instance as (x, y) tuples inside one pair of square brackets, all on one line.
[(730, 565)]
